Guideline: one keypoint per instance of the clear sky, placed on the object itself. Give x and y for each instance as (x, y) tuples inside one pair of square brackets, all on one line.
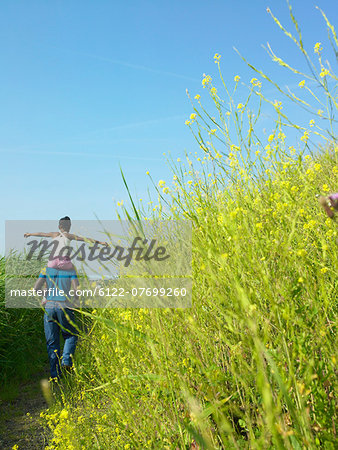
[(86, 86)]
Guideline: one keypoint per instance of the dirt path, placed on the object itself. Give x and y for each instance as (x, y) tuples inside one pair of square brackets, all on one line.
[(20, 417)]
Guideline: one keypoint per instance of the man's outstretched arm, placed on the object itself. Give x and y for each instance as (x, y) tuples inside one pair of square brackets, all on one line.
[(74, 237), (41, 234)]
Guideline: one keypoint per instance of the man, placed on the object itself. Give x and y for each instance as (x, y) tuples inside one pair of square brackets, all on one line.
[(59, 316)]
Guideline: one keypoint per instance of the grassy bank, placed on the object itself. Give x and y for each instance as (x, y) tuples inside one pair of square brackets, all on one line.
[(22, 346), (252, 363)]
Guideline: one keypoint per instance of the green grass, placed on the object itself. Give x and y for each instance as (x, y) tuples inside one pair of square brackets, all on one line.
[(22, 346), (252, 364)]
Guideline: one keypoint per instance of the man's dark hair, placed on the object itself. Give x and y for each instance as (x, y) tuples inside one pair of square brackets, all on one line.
[(65, 223)]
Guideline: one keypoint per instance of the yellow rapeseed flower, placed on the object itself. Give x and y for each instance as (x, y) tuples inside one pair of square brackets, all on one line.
[(318, 48), (237, 78), (277, 104), (161, 183), (217, 57), (193, 116), (213, 91), (240, 106), (301, 83), (64, 414), (197, 97), (187, 122), (324, 72), (255, 82), (206, 80)]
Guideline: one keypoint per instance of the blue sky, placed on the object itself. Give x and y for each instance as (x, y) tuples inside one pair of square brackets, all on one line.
[(88, 86)]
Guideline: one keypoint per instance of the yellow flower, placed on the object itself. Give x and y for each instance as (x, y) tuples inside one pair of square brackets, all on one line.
[(320, 112), (277, 104), (178, 159), (197, 97), (193, 116), (271, 137), (305, 136), (206, 80), (312, 123), (161, 183), (237, 78), (187, 122), (324, 270), (217, 57), (300, 280), (324, 72), (255, 82), (120, 203), (213, 91), (318, 48), (147, 172), (301, 83), (325, 188), (259, 225), (240, 106), (64, 414)]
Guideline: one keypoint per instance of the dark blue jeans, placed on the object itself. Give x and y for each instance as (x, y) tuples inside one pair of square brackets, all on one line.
[(58, 319)]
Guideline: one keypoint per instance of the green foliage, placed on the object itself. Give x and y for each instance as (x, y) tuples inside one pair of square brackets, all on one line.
[(252, 363), (22, 347)]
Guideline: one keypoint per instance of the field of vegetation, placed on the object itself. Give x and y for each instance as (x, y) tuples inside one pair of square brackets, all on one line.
[(253, 363), (22, 343)]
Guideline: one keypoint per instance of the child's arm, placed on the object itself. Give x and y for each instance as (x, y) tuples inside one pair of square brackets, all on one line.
[(74, 237), (40, 234), (327, 205)]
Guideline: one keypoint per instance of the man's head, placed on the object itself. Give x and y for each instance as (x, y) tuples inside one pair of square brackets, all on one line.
[(65, 224)]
